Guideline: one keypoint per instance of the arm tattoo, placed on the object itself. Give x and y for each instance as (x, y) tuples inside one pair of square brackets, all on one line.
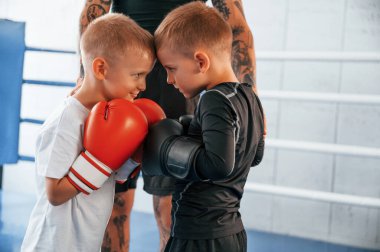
[(238, 5), (94, 11), (241, 61), (221, 6), (236, 31)]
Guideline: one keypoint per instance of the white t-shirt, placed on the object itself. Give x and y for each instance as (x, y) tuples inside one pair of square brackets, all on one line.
[(78, 224)]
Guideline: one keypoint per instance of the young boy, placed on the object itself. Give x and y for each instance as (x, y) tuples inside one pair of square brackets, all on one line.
[(210, 154), (78, 159)]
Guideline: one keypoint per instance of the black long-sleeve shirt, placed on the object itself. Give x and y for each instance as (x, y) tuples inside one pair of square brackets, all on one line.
[(229, 121)]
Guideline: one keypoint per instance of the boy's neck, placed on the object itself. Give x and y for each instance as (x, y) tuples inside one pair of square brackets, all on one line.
[(89, 94), (223, 74)]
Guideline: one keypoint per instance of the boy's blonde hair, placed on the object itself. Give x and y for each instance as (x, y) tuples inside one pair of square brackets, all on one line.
[(193, 26), (111, 36)]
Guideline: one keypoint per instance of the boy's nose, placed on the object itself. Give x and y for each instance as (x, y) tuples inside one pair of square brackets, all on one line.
[(142, 86), (170, 80)]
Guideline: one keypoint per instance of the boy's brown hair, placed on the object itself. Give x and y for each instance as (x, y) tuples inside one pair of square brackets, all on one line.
[(193, 26), (111, 36)]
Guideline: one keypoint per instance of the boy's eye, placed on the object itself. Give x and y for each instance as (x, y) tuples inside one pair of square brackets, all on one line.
[(138, 75), (170, 69)]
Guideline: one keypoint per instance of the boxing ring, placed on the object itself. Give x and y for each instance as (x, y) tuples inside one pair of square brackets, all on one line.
[(15, 148)]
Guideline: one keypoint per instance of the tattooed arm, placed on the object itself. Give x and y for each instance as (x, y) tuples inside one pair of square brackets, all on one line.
[(92, 10), (243, 54)]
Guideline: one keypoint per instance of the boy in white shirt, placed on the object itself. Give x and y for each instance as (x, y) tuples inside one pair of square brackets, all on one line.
[(117, 55)]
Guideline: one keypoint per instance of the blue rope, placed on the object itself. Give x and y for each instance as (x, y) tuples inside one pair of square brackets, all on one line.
[(35, 49), (50, 83), (30, 120), (26, 158)]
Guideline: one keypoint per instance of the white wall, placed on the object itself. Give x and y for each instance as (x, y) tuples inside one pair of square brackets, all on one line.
[(336, 26), (319, 26)]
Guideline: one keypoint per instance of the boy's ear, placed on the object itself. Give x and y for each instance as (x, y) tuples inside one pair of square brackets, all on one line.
[(99, 67), (203, 61)]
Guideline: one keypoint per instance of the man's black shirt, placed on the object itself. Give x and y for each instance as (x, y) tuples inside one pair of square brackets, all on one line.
[(147, 13)]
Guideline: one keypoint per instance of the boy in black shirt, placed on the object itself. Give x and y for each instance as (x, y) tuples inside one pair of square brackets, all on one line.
[(211, 153)]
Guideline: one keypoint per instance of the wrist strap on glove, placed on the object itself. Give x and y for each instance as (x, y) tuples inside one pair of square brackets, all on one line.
[(181, 155), (87, 173)]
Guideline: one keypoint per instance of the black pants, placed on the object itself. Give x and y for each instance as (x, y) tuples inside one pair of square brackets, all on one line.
[(233, 243)]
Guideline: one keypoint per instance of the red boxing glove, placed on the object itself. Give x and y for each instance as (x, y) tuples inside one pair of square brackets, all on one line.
[(113, 131), (153, 112)]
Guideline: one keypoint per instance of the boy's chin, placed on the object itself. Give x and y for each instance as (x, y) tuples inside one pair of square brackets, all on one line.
[(130, 98), (188, 96)]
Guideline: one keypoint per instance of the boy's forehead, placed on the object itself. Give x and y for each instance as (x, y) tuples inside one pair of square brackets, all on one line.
[(140, 53), (138, 62), (162, 50), (166, 52)]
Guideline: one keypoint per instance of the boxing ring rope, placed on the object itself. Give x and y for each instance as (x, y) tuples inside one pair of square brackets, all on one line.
[(328, 197), (338, 149), (318, 56), (320, 97), (50, 83), (36, 49)]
